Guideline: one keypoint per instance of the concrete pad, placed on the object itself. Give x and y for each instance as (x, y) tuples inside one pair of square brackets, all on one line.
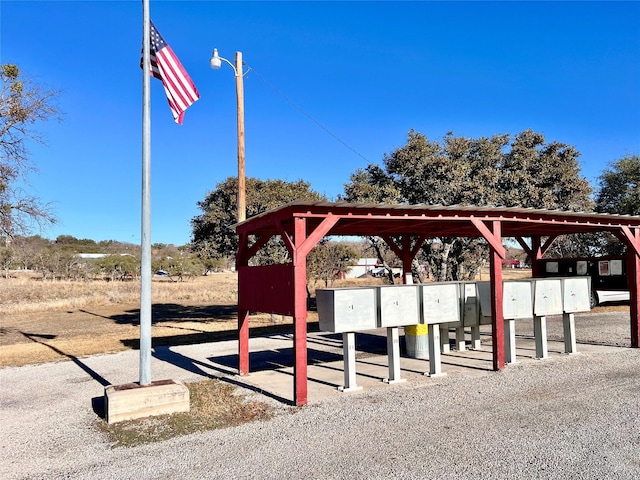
[(131, 400)]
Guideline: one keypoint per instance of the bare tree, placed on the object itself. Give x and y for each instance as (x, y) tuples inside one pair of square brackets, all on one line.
[(22, 105)]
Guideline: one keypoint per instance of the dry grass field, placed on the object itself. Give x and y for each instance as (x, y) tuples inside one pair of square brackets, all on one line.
[(47, 321), (57, 320)]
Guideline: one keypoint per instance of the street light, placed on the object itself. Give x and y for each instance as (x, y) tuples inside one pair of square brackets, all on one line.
[(216, 62)]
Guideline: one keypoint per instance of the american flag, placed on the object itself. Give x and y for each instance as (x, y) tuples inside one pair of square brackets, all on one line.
[(165, 66)]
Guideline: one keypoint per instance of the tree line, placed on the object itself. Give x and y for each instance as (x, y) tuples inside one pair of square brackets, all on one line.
[(522, 170), (70, 258)]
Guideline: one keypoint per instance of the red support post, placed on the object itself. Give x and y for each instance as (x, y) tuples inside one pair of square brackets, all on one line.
[(243, 342), (497, 331), (632, 239), (535, 255), (407, 259), (537, 252), (299, 315), (242, 257), (633, 275)]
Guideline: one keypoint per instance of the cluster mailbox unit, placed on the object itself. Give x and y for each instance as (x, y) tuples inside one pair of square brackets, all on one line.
[(516, 304), (441, 310), (537, 298), (559, 296), (447, 305), (346, 311), (547, 301), (349, 310)]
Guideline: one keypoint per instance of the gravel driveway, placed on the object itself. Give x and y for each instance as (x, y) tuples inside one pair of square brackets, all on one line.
[(570, 417)]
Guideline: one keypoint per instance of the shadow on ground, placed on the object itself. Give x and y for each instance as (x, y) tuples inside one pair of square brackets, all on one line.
[(173, 312)]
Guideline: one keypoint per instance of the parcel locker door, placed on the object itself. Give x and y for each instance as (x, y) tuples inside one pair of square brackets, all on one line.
[(516, 300), (575, 294), (440, 303), (347, 309), (399, 305), (547, 297)]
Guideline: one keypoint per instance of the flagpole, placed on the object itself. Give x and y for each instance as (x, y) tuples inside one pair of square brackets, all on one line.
[(145, 243)]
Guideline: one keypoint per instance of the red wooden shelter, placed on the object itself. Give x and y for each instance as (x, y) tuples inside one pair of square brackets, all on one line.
[(281, 289)]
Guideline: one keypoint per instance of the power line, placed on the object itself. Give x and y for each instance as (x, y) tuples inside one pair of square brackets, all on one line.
[(294, 105)]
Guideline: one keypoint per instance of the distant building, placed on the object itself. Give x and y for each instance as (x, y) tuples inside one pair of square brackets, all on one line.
[(93, 256), (365, 266)]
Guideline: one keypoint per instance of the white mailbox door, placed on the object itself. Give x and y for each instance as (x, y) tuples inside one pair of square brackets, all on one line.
[(440, 303), (575, 294), (516, 300), (399, 305), (547, 297), (347, 310)]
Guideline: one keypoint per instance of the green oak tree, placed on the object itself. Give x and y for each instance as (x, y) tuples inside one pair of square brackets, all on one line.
[(213, 237), (619, 187), (518, 171), (618, 193)]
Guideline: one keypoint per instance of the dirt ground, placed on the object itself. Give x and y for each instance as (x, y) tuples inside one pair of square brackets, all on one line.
[(39, 337), (54, 334)]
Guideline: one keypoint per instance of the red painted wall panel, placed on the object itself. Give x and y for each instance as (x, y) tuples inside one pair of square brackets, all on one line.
[(267, 289)]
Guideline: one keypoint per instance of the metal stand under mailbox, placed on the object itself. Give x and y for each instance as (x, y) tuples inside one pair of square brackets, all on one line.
[(547, 301), (346, 311), (399, 305), (569, 333), (440, 308), (443, 333), (393, 354), (516, 304), (575, 298), (435, 363), (557, 296), (349, 353)]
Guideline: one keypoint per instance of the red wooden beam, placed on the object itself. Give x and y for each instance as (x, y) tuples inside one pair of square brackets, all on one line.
[(416, 247), (299, 315), (286, 239), (392, 245), (399, 251), (632, 239), (302, 246), (497, 317), (495, 241), (406, 253), (527, 249), (633, 275), (259, 243), (242, 259), (243, 342), (547, 245), (536, 251), (318, 233), (536, 254)]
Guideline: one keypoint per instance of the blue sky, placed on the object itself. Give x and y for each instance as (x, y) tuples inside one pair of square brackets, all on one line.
[(366, 71)]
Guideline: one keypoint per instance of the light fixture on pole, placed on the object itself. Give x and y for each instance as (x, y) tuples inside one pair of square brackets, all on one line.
[(216, 63)]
